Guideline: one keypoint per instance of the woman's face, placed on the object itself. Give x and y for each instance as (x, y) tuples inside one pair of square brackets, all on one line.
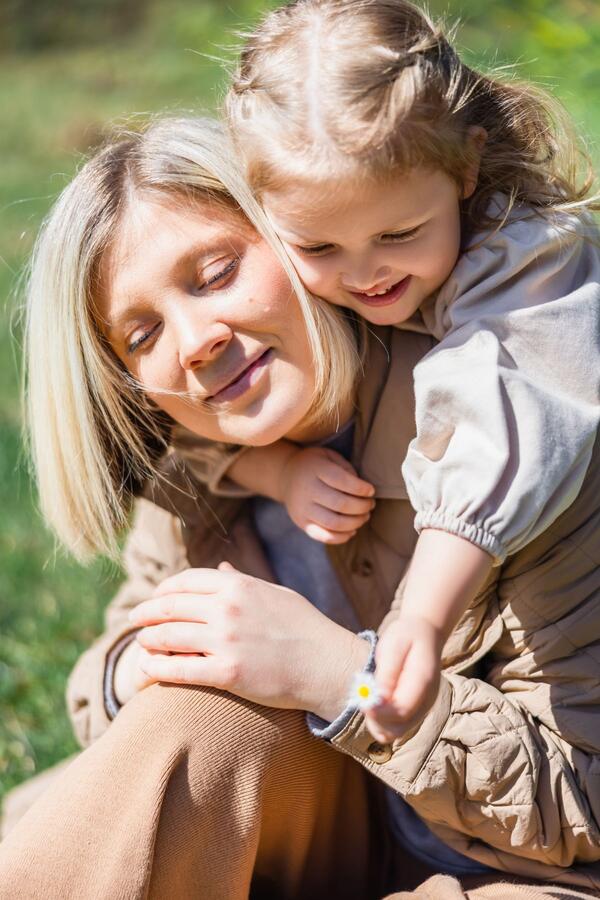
[(194, 302)]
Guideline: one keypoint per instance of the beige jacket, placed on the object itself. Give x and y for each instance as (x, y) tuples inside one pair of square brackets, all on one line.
[(506, 766)]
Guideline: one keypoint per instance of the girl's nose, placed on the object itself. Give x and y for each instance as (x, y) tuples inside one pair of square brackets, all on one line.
[(364, 275), (201, 342)]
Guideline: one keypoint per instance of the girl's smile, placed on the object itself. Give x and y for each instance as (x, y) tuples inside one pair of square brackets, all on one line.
[(385, 296), (380, 248)]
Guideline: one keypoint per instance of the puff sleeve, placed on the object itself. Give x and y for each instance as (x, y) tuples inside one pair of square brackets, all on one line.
[(508, 403)]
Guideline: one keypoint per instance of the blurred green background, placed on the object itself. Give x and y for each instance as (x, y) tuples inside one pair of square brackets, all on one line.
[(66, 70)]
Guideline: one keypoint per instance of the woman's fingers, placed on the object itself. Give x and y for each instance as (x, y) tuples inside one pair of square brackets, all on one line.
[(173, 607), (176, 637), (182, 669), (193, 581)]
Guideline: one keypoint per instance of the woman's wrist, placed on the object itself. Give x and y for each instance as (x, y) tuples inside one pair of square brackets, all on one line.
[(347, 653)]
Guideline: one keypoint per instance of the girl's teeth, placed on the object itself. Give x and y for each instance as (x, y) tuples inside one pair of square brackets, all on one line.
[(377, 293)]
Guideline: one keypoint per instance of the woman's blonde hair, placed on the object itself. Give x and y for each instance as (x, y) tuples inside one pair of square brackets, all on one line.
[(332, 89), (93, 432)]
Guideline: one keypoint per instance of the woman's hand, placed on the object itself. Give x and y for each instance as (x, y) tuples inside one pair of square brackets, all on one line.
[(224, 629), (323, 494)]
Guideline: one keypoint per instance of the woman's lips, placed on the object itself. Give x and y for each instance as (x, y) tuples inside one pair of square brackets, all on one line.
[(390, 296), (245, 380)]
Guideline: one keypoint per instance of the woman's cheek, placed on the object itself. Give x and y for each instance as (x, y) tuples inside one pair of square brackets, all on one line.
[(159, 367)]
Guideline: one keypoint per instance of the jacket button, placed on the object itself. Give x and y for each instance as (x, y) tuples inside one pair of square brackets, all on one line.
[(363, 567), (379, 753)]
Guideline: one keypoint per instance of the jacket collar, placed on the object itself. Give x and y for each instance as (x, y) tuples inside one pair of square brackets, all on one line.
[(386, 408)]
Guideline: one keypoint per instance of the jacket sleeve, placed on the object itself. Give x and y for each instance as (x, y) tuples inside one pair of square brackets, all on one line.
[(508, 403), (154, 550), (481, 766), (209, 461)]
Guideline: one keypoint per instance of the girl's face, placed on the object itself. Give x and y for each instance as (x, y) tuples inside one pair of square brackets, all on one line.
[(199, 310), (379, 248)]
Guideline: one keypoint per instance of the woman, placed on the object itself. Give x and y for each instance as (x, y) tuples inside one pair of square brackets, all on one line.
[(177, 323)]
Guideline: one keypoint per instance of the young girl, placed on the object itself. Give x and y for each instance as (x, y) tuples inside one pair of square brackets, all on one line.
[(419, 193)]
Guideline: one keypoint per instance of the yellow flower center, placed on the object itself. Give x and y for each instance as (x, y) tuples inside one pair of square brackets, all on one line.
[(364, 690)]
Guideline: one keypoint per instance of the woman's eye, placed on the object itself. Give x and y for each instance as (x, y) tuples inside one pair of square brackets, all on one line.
[(140, 341), (398, 236), (221, 275), (316, 250)]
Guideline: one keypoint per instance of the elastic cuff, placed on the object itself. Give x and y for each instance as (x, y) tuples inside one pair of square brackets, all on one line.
[(111, 704), (470, 532), (327, 730)]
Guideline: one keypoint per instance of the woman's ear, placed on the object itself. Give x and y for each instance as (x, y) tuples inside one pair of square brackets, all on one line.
[(476, 138)]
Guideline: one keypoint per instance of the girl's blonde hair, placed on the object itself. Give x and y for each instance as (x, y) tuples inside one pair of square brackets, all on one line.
[(330, 89), (93, 432)]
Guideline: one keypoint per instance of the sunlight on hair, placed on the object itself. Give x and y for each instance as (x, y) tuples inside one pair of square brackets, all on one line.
[(94, 434)]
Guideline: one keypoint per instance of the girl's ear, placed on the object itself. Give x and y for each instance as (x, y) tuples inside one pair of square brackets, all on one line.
[(476, 138)]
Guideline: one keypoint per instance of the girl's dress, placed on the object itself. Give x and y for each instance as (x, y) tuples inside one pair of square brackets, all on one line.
[(508, 403)]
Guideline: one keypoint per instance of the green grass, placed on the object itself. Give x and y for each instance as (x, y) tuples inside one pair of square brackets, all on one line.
[(55, 106)]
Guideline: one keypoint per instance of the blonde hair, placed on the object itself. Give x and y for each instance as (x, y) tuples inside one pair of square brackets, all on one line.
[(93, 432), (368, 88)]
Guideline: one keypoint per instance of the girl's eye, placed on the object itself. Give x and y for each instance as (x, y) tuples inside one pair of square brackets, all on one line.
[(221, 275), (398, 236), (316, 250)]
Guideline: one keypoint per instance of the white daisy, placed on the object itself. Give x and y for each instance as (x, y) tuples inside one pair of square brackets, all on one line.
[(364, 692)]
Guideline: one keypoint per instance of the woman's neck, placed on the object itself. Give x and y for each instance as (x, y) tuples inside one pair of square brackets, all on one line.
[(318, 431)]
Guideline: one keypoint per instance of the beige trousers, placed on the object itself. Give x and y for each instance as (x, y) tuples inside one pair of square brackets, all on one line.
[(192, 793)]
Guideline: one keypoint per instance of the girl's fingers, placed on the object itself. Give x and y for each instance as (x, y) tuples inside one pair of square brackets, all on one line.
[(333, 521), (340, 502), (379, 731), (343, 479), (193, 581), (416, 680), (176, 637), (328, 537), (390, 656), (173, 607)]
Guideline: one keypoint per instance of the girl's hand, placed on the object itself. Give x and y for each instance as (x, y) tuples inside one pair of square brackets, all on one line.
[(407, 675), (324, 496), (224, 629)]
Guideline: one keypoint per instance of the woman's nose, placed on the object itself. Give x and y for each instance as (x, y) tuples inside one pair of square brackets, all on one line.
[(201, 342)]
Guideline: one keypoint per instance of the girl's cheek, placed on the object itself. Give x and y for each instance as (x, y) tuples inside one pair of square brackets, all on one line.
[(317, 278)]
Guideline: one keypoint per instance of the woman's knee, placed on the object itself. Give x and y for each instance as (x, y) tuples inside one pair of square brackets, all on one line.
[(201, 720)]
